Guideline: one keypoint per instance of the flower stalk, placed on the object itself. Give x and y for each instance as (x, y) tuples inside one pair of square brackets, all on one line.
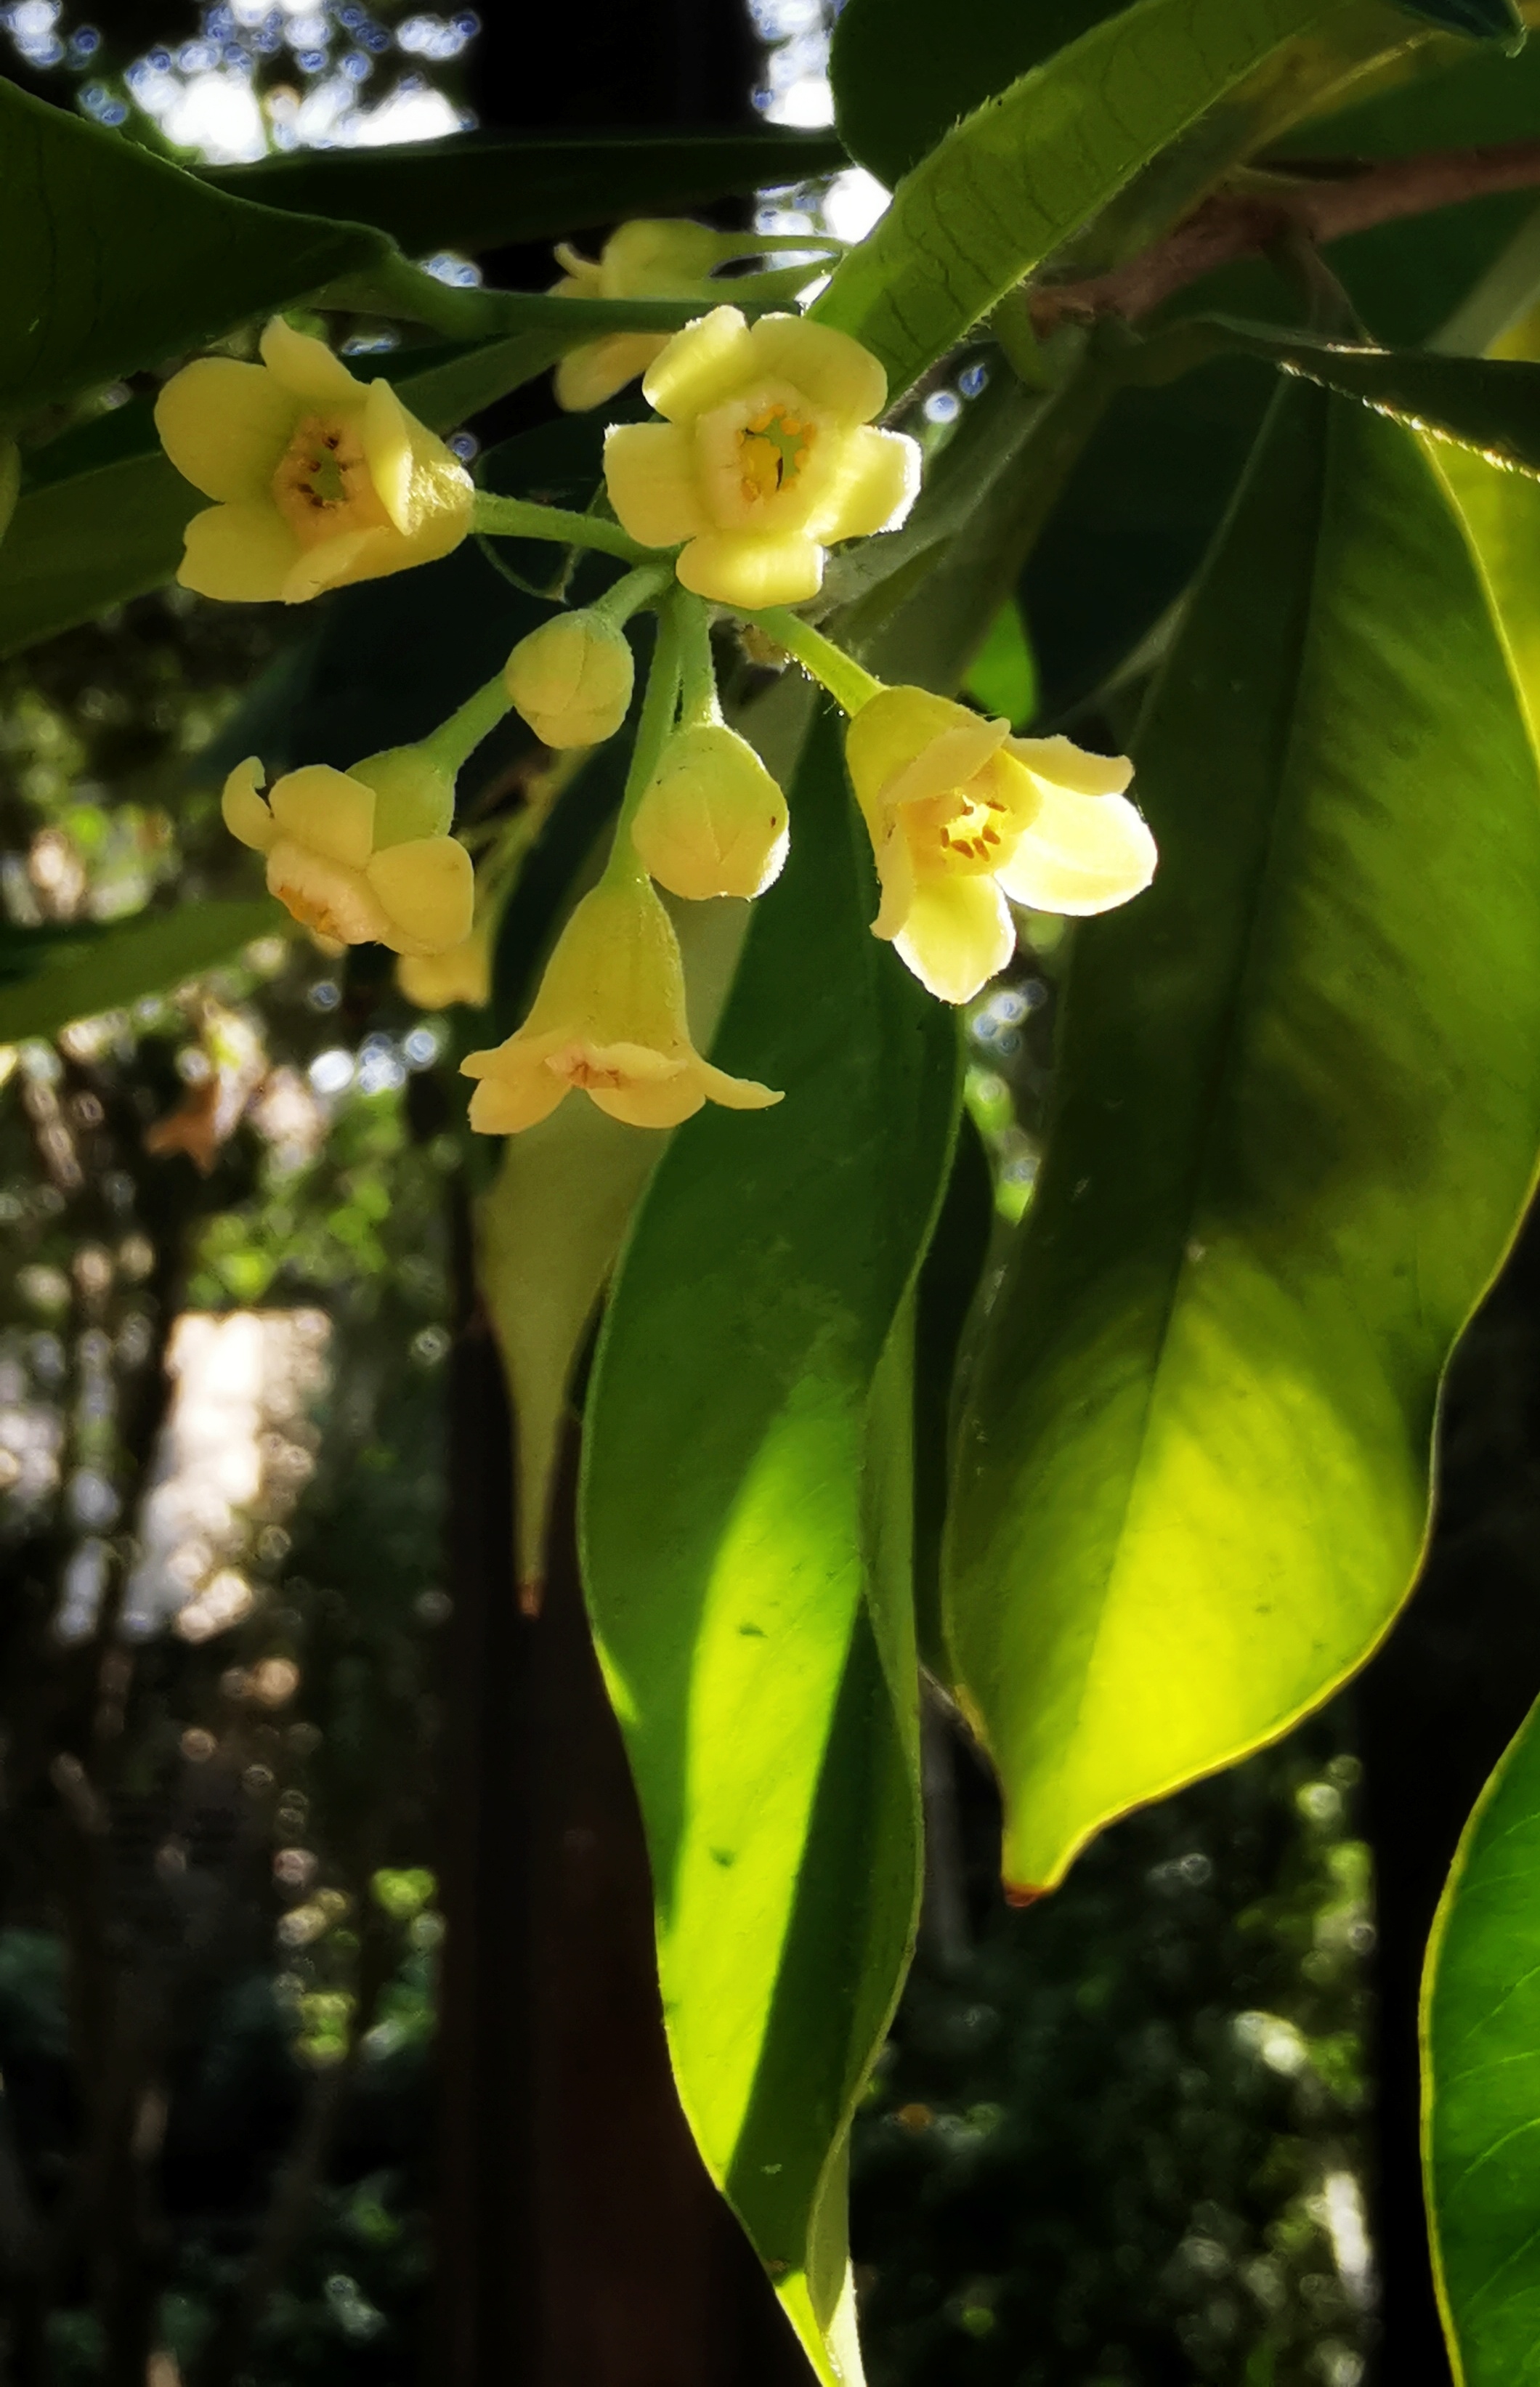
[(498, 517), (820, 657)]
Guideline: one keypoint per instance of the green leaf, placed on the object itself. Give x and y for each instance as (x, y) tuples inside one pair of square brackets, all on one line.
[(1488, 403), (1490, 21), (1014, 179), (1481, 2037), (1299, 1109), (1002, 678), (904, 71), (115, 259), (489, 192), (102, 515), (747, 1524), (86, 976)]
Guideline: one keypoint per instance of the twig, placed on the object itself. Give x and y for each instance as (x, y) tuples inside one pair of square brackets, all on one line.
[(1322, 201)]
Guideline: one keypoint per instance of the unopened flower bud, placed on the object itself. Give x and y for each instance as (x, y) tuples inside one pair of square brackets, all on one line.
[(413, 796), (572, 679), (713, 822)]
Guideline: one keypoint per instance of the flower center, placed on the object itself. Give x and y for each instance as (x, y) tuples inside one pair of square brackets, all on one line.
[(771, 448), (961, 830), (323, 485)]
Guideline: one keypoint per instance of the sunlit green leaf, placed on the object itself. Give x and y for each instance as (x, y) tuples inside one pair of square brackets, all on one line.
[(1299, 1114), (113, 966), (1488, 403), (1014, 179), (1002, 678), (489, 191), (747, 1520), (1481, 2023)]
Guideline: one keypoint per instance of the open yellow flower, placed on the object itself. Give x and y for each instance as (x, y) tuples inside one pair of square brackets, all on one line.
[(608, 1019), (320, 479), (767, 456), (360, 861), (652, 258), (963, 816)]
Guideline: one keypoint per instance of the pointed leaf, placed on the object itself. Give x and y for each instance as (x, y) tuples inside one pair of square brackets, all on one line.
[(1299, 1114), (1480, 2090), (747, 1524), (1490, 21), (116, 966), (490, 190), (1014, 179)]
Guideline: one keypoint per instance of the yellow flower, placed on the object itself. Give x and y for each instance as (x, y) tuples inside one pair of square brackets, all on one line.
[(609, 1017), (361, 855), (650, 259), (462, 975), (712, 821), (571, 679), (767, 458), (320, 480), (961, 815)]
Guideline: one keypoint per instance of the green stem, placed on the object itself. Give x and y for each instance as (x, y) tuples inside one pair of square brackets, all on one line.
[(456, 740), (700, 701), (820, 657), (628, 596), (654, 727), (522, 518)]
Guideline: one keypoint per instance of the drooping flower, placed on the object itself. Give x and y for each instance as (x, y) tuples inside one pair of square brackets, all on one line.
[(767, 456), (610, 1019), (712, 821), (652, 258), (320, 479), (571, 679), (963, 816), (361, 855)]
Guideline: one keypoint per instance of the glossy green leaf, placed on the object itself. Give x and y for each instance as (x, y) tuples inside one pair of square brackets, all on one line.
[(905, 72), (1488, 21), (1299, 1112), (1480, 2090), (1488, 403), (113, 966), (1014, 179), (93, 222), (489, 191), (102, 516), (746, 1524), (1002, 678)]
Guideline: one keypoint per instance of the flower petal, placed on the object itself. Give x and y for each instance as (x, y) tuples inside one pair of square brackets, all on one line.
[(242, 554), (387, 452), (703, 365), (517, 1088), (245, 814), (325, 895), (877, 481), (827, 366), (225, 426), (307, 367), (586, 376), (650, 473), (1064, 765), (428, 886), (649, 1098), (736, 1094), (326, 811), (958, 933), (738, 568), (352, 555), (1082, 854), (895, 871)]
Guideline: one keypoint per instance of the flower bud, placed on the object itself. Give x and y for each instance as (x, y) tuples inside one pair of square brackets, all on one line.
[(413, 796), (572, 679), (713, 822)]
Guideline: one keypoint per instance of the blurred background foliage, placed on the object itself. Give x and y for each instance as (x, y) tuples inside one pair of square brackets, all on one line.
[(1125, 2139)]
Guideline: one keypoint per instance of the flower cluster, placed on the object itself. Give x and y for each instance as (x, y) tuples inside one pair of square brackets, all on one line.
[(766, 452)]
